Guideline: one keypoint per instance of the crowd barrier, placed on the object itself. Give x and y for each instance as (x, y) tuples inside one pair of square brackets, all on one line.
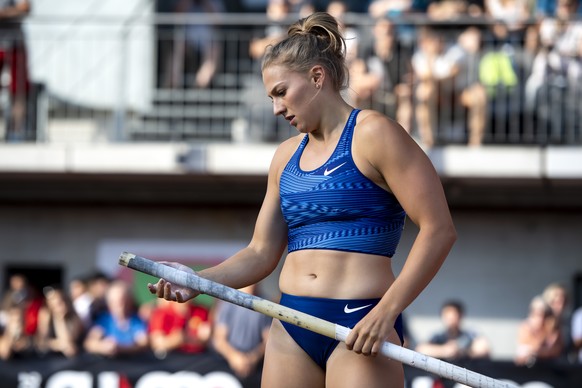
[(209, 370)]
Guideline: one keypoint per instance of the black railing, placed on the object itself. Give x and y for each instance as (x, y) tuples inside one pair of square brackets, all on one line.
[(172, 77)]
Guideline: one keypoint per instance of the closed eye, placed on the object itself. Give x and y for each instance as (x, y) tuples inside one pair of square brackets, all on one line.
[(279, 93)]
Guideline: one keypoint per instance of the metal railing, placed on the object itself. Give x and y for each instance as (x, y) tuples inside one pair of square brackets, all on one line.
[(176, 77)]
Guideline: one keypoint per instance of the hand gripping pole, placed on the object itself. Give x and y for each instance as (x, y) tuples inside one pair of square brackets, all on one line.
[(306, 321)]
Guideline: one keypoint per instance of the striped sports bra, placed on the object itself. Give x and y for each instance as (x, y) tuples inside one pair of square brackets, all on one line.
[(336, 207)]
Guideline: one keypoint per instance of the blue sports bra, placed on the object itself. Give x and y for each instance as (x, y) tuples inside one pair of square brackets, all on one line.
[(336, 207)]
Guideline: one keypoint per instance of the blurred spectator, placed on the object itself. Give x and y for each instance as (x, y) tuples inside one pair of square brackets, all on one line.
[(499, 74), (515, 14), (447, 10), (81, 299), (183, 327), (119, 331), (13, 53), (548, 8), (20, 308), (497, 70), (545, 8), (165, 36), (552, 87), (539, 337), (360, 83), (556, 296), (190, 46), (60, 330), (240, 336), (576, 330), (22, 296), (447, 77), (472, 93), (455, 342), (339, 10), (425, 61), (537, 77), (566, 27), (397, 11), (302, 8), (257, 108), (383, 8), (146, 309), (15, 341), (202, 43), (98, 284), (381, 79), (276, 12), (526, 54), (575, 91)]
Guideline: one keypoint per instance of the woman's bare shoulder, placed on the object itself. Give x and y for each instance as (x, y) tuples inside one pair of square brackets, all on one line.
[(286, 149), (371, 122), (284, 152), (377, 131)]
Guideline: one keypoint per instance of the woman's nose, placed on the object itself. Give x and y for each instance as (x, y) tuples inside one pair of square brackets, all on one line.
[(278, 108)]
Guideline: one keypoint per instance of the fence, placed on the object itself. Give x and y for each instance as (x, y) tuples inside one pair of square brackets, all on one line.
[(196, 77)]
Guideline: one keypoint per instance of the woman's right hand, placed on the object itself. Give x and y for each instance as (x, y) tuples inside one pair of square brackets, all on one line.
[(165, 290)]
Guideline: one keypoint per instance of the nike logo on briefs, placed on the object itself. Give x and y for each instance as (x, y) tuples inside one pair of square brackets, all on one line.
[(348, 310), (327, 172)]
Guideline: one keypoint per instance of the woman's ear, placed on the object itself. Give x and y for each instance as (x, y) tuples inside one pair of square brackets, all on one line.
[(317, 75)]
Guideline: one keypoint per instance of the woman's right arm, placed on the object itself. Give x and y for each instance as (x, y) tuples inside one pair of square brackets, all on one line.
[(261, 256)]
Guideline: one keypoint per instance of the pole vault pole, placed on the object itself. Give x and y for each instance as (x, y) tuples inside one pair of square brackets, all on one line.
[(306, 321)]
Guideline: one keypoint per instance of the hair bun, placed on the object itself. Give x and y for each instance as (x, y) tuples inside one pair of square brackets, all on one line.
[(322, 26), (315, 39)]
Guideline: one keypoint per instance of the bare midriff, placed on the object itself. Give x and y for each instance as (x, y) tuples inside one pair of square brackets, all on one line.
[(335, 274)]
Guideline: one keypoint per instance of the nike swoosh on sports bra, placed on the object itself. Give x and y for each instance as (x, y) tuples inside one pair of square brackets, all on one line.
[(336, 207)]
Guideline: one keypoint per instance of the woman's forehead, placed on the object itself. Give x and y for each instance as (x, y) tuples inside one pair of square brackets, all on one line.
[(278, 71), (278, 74)]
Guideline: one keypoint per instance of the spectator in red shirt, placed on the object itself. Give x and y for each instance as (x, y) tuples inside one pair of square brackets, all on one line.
[(182, 327), (13, 53), (18, 317)]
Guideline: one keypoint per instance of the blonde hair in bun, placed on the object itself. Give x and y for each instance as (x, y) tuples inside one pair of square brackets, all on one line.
[(313, 40)]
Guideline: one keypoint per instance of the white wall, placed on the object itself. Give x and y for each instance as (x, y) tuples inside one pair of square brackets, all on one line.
[(98, 54)]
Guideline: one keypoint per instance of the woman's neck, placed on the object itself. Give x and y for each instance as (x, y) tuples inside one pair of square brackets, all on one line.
[(332, 122)]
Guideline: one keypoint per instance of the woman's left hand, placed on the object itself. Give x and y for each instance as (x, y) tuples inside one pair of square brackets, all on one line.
[(368, 336)]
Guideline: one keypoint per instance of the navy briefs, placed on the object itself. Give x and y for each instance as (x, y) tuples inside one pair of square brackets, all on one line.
[(344, 312)]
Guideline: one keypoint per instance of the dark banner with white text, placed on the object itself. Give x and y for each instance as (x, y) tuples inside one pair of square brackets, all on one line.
[(212, 371)]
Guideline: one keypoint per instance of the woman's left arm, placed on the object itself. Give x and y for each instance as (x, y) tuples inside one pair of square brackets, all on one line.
[(402, 167)]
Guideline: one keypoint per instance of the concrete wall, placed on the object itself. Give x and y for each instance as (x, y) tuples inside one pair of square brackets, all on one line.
[(502, 259)]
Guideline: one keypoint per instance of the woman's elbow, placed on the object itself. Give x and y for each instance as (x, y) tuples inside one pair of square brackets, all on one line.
[(446, 234), (451, 234)]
